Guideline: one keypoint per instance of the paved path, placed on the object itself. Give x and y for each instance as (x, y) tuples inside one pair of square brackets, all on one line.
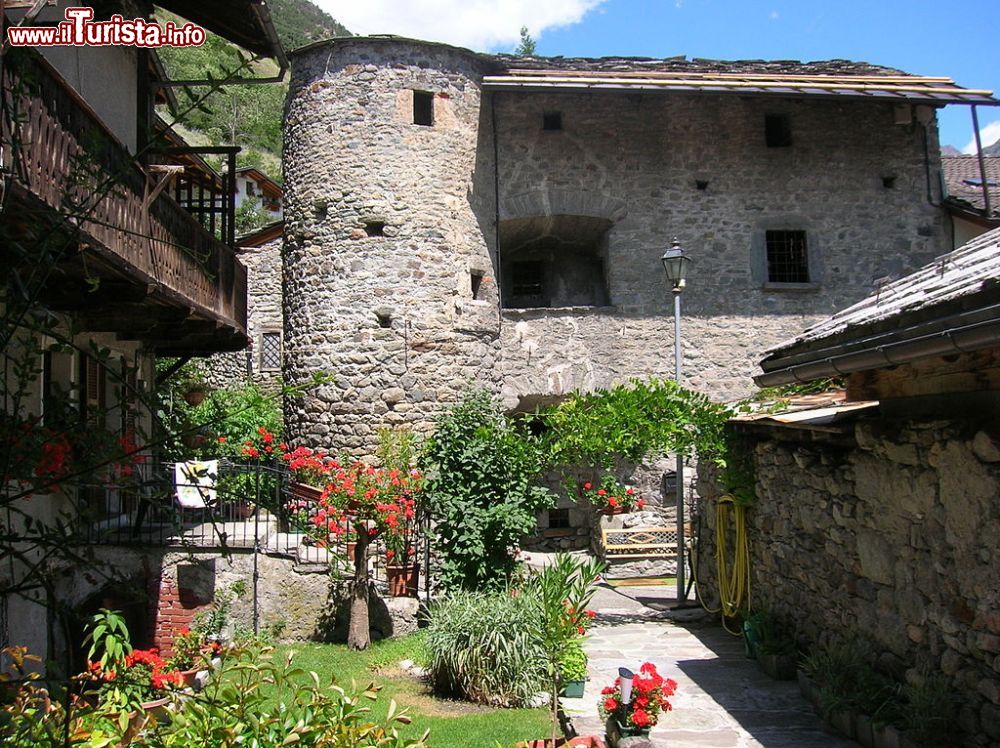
[(723, 700)]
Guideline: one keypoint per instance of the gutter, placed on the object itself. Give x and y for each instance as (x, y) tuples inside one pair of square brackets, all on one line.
[(965, 336)]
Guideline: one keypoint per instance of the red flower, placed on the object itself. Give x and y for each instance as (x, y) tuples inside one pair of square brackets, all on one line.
[(222, 440), (640, 503), (590, 613), (610, 705), (586, 486), (612, 501), (640, 718)]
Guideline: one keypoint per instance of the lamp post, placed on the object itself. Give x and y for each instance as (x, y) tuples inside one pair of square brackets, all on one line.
[(675, 265)]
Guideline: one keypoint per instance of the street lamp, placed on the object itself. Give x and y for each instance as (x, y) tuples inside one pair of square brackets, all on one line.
[(675, 265)]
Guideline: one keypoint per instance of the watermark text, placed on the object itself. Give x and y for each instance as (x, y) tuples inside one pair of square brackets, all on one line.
[(81, 30)]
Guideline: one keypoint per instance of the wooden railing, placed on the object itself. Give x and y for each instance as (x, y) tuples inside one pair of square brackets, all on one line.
[(57, 148)]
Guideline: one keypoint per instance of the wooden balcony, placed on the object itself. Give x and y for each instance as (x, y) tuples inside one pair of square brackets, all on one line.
[(120, 254)]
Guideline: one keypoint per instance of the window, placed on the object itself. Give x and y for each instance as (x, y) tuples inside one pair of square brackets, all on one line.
[(559, 519), (527, 283), (423, 108), (375, 228), (777, 130), (787, 257), (270, 351), (251, 189), (476, 280), (552, 121)]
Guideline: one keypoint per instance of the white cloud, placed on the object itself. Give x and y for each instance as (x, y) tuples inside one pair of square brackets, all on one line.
[(478, 24), (989, 134)]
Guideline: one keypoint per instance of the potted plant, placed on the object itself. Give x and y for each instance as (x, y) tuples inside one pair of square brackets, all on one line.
[(633, 703), (564, 589), (772, 645), (573, 670), (611, 497), (402, 570)]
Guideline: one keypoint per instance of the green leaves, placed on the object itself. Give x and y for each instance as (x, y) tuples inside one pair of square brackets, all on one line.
[(107, 634), (482, 491), (632, 422)]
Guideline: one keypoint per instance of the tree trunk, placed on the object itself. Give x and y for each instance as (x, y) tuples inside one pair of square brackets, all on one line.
[(358, 634)]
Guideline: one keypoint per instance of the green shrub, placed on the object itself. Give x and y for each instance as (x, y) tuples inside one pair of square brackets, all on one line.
[(482, 491), (486, 647), (573, 663), (262, 702)]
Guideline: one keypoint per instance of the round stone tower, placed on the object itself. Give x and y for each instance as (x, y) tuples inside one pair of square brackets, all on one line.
[(389, 228)]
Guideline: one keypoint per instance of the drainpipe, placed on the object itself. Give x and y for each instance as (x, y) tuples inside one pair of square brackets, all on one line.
[(982, 163)]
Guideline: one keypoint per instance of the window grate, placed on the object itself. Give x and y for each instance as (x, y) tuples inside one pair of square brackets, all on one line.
[(527, 279), (787, 257), (559, 519), (270, 351)]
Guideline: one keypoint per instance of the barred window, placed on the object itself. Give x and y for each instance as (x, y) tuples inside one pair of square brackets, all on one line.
[(559, 519), (787, 257), (270, 351)]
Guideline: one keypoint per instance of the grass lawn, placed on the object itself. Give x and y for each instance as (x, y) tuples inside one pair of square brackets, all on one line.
[(453, 724)]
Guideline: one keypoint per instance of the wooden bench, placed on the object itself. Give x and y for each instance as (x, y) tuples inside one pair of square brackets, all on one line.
[(639, 542)]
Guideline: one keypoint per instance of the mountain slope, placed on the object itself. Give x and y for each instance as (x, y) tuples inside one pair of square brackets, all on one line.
[(300, 22), (247, 116)]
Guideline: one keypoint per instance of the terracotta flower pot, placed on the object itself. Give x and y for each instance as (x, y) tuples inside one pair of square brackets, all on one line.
[(609, 511), (190, 676), (403, 579), (586, 741), (304, 492)]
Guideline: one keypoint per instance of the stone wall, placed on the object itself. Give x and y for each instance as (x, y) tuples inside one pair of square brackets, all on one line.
[(639, 162), (264, 315), (298, 602), (388, 227), (892, 538), (391, 266)]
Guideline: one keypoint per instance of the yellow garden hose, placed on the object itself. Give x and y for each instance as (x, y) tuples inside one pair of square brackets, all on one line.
[(733, 577)]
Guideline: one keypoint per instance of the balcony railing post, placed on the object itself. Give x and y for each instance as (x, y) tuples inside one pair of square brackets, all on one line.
[(231, 200)]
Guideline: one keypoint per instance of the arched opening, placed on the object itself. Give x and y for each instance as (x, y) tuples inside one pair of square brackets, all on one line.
[(554, 261)]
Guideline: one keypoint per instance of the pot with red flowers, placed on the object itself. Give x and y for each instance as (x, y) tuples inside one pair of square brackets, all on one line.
[(632, 705), (611, 497)]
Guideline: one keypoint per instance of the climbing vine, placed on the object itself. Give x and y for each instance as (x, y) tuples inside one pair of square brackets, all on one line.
[(632, 422)]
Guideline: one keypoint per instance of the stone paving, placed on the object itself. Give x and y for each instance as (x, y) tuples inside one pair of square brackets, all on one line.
[(723, 700)]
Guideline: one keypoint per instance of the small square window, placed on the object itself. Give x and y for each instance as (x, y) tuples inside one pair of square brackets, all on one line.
[(552, 121), (270, 351), (787, 257), (375, 228), (778, 130), (559, 519), (423, 108)]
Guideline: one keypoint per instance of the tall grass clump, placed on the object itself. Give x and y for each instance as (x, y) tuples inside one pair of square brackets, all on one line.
[(486, 647)]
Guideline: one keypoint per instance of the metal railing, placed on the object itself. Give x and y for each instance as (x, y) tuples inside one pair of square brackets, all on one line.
[(248, 507)]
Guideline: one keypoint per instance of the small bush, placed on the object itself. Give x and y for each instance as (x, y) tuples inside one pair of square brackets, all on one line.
[(483, 490), (486, 647)]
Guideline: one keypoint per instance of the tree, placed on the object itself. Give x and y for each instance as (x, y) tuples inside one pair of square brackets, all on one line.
[(526, 47)]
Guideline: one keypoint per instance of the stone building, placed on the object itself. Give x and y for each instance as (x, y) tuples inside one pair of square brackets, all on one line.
[(456, 218), (877, 518), (260, 362)]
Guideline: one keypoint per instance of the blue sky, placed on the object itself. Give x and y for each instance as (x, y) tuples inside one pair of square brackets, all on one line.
[(958, 39)]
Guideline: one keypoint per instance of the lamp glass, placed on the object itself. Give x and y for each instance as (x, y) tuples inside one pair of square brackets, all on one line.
[(675, 265)]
